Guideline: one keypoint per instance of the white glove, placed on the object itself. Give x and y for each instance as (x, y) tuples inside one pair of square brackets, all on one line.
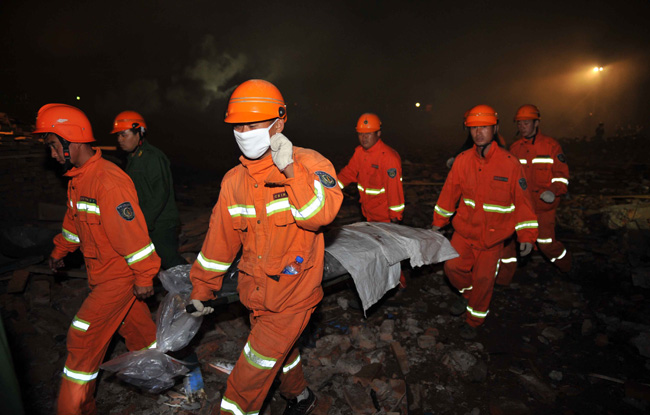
[(201, 310), (547, 196), (525, 248), (281, 151), (450, 162)]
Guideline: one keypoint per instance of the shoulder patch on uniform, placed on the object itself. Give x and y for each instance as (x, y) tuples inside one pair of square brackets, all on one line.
[(501, 179), (126, 211), (326, 179), (561, 157), (523, 184), (392, 173)]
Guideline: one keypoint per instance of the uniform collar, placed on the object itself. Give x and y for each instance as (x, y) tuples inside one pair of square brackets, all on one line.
[(490, 152), (139, 149), (257, 167), (88, 165), (377, 147)]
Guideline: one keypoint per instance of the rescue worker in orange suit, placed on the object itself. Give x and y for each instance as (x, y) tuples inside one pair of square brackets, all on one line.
[(272, 206), (149, 169), (548, 177), (104, 220), (377, 170), (487, 190), (469, 143)]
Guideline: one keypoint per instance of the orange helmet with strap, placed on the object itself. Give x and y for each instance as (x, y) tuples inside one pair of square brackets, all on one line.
[(66, 121), (255, 100), (527, 112), (368, 123), (481, 115), (127, 120)]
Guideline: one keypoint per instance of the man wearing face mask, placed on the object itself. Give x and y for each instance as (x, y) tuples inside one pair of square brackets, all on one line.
[(488, 185), (149, 169), (103, 219), (272, 206), (548, 174)]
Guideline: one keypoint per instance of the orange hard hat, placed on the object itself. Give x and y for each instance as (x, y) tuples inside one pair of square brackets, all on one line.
[(66, 121), (127, 120), (255, 100), (368, 123), (527, 112), (481, 115)]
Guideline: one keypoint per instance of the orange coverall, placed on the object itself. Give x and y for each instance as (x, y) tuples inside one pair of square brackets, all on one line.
[(378, 174), (105, 221), (546, 169), (273, 219), (490, 198)]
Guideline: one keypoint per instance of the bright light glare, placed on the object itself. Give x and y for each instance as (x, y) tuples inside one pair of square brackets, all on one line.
[(78, 97), (417, 105), (598, 68)]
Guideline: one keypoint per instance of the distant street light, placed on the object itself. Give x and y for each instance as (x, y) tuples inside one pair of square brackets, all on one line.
[(598, 68), (417, 105)]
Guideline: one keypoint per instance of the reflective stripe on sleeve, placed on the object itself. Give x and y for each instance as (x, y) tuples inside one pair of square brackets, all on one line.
[(523, 161), (470, 203), (69, 236), (397, 208), (247, 211), (375, 192), (560, 179), (79, 377), (291, 365), (542, 160), (465, 289), (508, 260), (313, 206), (340, 184), (79, 324), (257, 360), (443, 212), (140, 255), (526, 224), (477, 314), (498, 208), (212, 265), (544, 241)]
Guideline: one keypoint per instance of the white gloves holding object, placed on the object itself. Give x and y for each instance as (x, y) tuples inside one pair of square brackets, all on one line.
[(525, 248), (547, 196), (201, 310), (281, 151)]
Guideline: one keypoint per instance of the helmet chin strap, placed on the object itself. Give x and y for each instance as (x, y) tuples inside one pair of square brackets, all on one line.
[(66, 154)]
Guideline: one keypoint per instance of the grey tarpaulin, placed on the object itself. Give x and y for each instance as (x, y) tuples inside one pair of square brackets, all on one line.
[(371, 252)]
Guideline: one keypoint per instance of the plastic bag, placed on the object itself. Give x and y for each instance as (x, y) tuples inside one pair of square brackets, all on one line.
[(152, 369)]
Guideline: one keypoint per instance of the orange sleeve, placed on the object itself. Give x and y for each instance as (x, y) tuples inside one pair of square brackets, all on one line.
[(126, 230), (219, 249), (449, 196), (68, 240), (560, 171), (394, 189), (350, 173), (526, 224), (314, 196)]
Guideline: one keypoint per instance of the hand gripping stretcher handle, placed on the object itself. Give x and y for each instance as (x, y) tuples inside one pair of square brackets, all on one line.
[(209, 303)]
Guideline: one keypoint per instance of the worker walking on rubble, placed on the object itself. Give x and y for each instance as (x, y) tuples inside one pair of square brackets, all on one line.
[(469, 143), (547, 172), (377, 170), (149, 169), (487, 190), (104, 220), (272, 206)]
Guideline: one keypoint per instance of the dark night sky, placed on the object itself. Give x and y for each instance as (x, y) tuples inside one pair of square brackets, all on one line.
[(177, 62)]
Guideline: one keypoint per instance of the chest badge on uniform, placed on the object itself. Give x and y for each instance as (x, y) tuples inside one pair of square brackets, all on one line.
[(523, 184), (561, 157), (392, 173), (126, 211), (326, 179)]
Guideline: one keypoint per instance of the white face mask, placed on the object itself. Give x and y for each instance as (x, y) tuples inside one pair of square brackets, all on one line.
[(254, 143)]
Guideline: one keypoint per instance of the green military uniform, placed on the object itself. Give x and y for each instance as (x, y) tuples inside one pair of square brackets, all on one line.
[(149, 169)]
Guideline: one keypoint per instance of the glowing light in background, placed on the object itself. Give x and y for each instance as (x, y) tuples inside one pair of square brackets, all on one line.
[(598, 69), (78, 98), (417, 105)]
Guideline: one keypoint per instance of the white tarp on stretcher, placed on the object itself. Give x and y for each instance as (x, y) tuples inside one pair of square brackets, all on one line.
[(371, 252)]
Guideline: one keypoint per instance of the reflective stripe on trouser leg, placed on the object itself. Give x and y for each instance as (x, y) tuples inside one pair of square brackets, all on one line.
[(272, 339), (104, 309), (486, 267), (459, 269), (508, 265), (553, 250)]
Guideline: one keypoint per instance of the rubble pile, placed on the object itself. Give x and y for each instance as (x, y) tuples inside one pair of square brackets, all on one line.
[(552, 343)]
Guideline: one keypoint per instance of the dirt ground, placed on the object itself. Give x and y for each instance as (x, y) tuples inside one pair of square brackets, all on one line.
[(575, 343)]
